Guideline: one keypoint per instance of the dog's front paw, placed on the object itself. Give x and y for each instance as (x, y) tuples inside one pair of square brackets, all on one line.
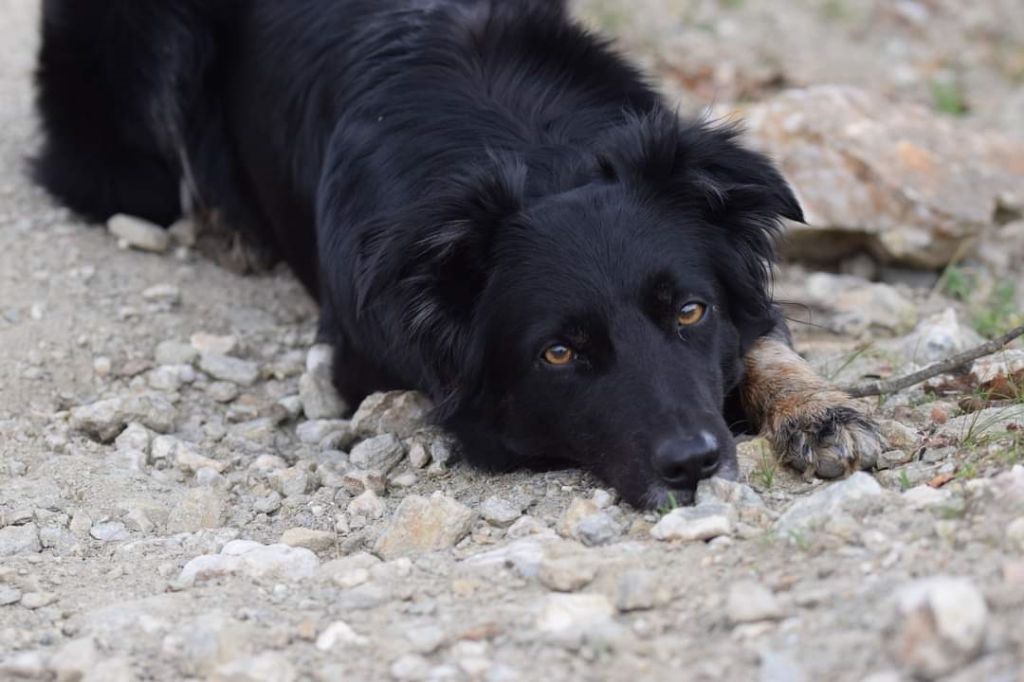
[(827, 440)]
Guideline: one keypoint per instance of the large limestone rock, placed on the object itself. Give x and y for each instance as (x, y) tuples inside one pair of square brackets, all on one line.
[(903, 182)]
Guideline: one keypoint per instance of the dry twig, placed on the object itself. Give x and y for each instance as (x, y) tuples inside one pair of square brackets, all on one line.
[(951, 364)]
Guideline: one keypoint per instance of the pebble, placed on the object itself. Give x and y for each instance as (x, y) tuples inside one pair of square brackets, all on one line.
[(320, 399), (106, 419), (937, 338), (602, 498), (750, 602), (16, 540), (401, 413), (419, 454), (175, 353), (890, 459), (499, 512), (315, 540), (222, 391), (265, 667), (184, 232), (164, 294), (380, 453), (422, 525), (939, 625), (9, 595), (184, 456), (597, 529), (251, 559), (566, 574), (134, 437), (205, 343), (268, 504), (898, 436), (339, 634), (292, 405), (227, 368), (578, 509), (367, 505), (24, 665), (139, 234), (694, 524), (109, 531), (402, 480), (640, 590), (102, 366), (815, 509), (441, 447), (290, 482), (568, 611)]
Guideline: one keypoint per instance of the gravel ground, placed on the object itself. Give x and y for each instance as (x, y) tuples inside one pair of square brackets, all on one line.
[(179, 500)]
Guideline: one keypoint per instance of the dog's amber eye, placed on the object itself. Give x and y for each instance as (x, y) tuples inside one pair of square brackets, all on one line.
[(559, 355), (691, 314)]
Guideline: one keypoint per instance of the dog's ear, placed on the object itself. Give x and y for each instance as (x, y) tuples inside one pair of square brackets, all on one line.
[(430, 261)]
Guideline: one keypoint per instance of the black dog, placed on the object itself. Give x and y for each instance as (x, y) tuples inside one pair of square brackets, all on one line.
[(489, 204)]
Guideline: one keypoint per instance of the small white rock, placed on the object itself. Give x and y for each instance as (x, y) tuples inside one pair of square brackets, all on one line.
[(693, 524), (499, 512), (314, 540), (213, 344), (226, 368), (166, 294), (565, 611), (339, 634), (826, 502), (139, 234), (109, 531)]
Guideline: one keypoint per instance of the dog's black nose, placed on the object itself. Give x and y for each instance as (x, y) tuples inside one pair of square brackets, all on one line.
[(682, 462)]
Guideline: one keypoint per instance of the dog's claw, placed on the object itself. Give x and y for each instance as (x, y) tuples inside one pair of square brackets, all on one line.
[(832, 443)]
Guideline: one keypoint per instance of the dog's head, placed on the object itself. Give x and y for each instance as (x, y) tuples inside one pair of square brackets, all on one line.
[(603, 323)]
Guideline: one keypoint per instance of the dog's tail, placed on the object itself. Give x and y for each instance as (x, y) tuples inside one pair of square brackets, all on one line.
[(112, 82)]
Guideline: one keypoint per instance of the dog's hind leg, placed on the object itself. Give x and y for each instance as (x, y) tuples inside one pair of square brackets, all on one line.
[(812, 426)]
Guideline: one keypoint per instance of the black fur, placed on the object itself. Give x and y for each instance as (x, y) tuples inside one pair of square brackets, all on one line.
[(461, 184)]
